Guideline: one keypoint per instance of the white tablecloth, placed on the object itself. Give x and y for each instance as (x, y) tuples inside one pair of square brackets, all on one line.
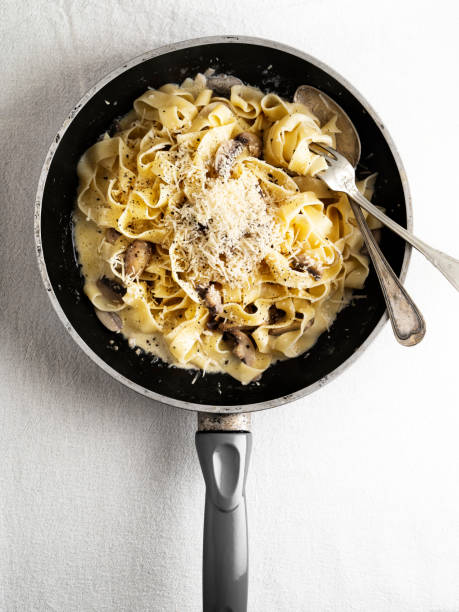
[(353, 493)]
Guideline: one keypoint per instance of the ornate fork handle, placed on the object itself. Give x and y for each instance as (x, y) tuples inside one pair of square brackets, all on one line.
[(447, 265), (407, 322)]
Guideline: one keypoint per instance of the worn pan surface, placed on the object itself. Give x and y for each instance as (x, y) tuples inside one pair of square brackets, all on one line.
[(272, 67)]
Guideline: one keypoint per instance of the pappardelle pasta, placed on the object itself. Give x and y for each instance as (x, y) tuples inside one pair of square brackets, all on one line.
[(204, 234)]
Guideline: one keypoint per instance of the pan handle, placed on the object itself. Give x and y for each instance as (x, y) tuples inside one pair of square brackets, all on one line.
[(224, 458)]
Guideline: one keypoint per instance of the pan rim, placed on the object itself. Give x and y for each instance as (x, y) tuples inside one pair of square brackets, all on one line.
[(207, 40)]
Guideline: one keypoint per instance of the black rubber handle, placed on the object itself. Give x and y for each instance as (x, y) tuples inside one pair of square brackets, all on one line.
[(224, 458)]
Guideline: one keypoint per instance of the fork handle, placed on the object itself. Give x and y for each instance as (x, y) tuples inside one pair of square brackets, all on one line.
[(407, 322), (447, 265)]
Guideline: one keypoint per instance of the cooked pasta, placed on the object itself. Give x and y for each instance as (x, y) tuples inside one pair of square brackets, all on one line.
[(205, 236)]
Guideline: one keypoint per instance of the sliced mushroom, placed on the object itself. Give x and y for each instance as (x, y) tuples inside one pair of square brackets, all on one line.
[(225, 326), (221, 83), (225, 157), (302, 264), (110, 320), (275, 314), (252, 142), (293, 326), (243, 347), (111, 290), (137, 257), (111, 235), (213, 301), (278, 331), (328, 201), (229, 151)]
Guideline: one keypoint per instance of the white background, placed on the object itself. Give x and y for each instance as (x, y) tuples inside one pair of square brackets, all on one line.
[(353, 492)]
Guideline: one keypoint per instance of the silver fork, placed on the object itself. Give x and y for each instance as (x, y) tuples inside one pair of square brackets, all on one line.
[(340, 176)]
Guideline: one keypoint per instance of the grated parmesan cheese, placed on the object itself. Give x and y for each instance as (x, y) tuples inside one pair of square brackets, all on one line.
[(225, 228)]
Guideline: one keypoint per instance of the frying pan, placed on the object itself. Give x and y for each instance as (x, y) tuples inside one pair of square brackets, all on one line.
[(224, 405)]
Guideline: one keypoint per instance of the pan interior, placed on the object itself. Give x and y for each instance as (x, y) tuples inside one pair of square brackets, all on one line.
[(271, 69)]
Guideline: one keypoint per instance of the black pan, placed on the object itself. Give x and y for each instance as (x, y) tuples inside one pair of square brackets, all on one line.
[(272, 67)]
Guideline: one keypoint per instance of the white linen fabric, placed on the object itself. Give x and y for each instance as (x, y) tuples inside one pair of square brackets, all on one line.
[(353, 493)]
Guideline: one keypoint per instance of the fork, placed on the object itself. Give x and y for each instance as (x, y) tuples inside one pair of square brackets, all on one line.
[(340, 176)]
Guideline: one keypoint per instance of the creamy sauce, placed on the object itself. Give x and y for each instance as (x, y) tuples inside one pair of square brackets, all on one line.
[(88, 239)]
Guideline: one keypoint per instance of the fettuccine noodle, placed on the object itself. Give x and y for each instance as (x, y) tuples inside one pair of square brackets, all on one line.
[(205, 235)]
